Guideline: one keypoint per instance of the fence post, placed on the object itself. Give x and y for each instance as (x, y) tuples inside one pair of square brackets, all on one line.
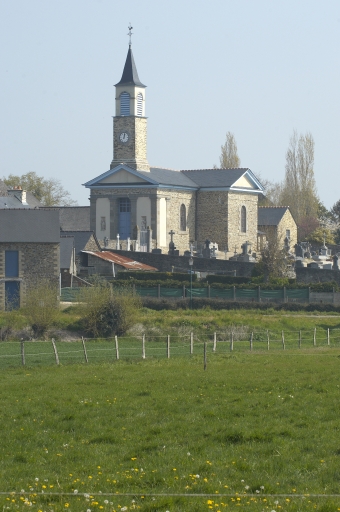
[(283, 340), (299, 339), (184, 291), (231, 341), (143, 346), (133, 289), (308, 293), (191, 343), (205, 355), (314, 337), (23, 352), (168, 346), (328, 340), (208, 291), (234, 293), (117, 347), (259, 294), (267, 339), (55, 351), (284, 294), (158, 291), (214, 345), (84, 348), (251, 341)]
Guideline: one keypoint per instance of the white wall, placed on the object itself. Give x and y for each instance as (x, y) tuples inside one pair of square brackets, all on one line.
[(102, 210), (143, 210)]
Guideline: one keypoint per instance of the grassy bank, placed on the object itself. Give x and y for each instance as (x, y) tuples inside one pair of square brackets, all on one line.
[(254, 431)]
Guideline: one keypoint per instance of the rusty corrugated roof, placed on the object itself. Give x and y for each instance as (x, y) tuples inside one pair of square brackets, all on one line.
[(123, 261)]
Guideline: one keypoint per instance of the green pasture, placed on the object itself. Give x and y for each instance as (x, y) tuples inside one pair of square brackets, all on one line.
[(255, 431)]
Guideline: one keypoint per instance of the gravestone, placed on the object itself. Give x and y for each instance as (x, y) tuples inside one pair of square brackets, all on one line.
[(172, 248)]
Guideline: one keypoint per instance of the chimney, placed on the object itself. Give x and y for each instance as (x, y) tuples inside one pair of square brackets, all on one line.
[(18, 193)]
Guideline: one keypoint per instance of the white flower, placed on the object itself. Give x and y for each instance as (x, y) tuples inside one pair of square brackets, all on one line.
[(88, 510), (75, 491), (36, 479), (197, 476), (246, 487), (262, 487), (257, 491), (123, 508), (106, 502), (189, 454)]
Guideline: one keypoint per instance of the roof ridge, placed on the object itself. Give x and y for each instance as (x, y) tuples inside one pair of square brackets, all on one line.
[(274, 206), (217, 169)]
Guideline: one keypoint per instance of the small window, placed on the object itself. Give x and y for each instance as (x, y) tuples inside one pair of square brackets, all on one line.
[(243, 219), (139, 104), (124, 205), (288, 233), (183, 218), (102, 223), (11, 263), (125, 104)]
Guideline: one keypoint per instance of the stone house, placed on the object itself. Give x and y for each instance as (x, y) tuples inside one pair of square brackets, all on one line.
[(29, 252), (135, 201), (279, 222)]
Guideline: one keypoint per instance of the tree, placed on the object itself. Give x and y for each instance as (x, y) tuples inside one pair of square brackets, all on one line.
[(298, 188), (321, 235), (335, 212), (42, 307), (229, 158), (49, 191), (274, 258)]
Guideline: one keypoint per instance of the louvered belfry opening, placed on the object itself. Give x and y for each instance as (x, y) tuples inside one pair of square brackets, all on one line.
[(125, 104), (243, 219), (139, 104)]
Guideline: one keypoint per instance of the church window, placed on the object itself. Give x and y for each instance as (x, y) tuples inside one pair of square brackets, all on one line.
[(183, 218), (139, 104), (125, 104), (243, 219), (124, 205)]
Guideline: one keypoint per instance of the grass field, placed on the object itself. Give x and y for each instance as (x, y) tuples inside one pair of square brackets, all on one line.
[(255, 431)]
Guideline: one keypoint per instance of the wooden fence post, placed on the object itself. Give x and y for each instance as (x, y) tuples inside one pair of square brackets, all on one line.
[(191, 343), (283, 340), (234, 293), (23, 352), (168, 346), (214, 345), (251, 341), (299, 339), (205, 355), (158, 291), (231, 341), (328, 339), (84, 348), (314, 337), (117, 347), (55, 351), (143, 346), (267, 339)]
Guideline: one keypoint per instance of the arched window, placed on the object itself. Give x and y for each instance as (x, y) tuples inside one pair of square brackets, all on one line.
[(183, 218), (125, 104), (139, 104), (243, 219)]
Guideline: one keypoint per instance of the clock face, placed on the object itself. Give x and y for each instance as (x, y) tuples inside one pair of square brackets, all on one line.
[(124, 137)]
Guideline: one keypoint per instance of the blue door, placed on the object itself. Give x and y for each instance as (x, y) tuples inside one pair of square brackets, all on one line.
[(124, 218), (12, 294)]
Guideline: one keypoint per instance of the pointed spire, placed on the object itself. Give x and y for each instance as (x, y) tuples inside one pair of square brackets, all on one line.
[(130, 75)]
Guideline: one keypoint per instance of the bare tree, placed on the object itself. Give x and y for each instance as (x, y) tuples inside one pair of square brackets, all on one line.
[(229, 158), (299, 188), (275, 261)]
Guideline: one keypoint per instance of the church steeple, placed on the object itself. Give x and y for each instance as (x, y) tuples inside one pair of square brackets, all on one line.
[(129, 128)]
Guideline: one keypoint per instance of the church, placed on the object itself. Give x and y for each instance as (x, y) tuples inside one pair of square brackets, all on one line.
[(144, 207)]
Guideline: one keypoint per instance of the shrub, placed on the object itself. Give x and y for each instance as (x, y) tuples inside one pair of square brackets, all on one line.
[(42, 307), (105, 311), (139, 275)]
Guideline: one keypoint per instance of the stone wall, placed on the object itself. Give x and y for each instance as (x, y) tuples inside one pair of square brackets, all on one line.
[(37, 261), (166, 263), (181, 239), (287, 222), (133, 152), (235, 237), (315, 275)]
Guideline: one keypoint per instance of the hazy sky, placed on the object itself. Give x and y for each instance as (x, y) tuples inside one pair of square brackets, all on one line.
[(257, 68)]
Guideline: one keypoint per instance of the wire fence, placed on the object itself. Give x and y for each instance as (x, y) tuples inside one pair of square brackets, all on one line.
[(84, 351)]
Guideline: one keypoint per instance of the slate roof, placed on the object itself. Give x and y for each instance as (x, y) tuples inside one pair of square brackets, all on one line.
[(74, 218), (81, 238), (123, 261), (130, 75), (215, 177), (10, 201), (271, 215), (168, 177), (66, 248), (29, 225)]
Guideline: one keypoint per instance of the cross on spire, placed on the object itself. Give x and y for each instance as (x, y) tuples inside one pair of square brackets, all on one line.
[(130, 34)]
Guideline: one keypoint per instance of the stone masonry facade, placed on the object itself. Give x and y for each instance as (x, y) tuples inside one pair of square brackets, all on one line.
[(219, 219), (37, 261), (133, 153), (286, 223)]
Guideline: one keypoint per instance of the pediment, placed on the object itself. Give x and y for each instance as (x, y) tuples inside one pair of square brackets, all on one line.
[(247, 181), (120, 175), (243, 182)]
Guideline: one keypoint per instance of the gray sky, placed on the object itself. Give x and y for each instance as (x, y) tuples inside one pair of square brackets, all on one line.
[(259, 69)]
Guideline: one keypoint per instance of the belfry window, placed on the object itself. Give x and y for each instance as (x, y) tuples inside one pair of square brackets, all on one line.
[(183, 218), (139, 104), (125, 104), (243, 219)]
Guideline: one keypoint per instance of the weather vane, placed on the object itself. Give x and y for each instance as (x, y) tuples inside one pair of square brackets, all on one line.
[(130, 33)]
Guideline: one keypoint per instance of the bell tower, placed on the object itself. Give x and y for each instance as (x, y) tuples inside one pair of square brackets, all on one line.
[(130, 123)]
